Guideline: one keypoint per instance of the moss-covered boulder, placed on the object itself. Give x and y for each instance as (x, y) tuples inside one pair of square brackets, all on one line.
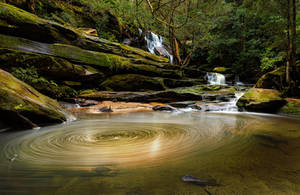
[(222, 70), (22, 107), (292, 107), (272, 80), (261, 100)]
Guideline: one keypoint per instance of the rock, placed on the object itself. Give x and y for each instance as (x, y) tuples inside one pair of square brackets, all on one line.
[(292, 108), (195, 107), (88, 103), (132, 82), (272, 80), (194, 93), (182, 104), (145, 97), (221, 70), (46, 66), (164, 108), (22, 107), (261, 100), (105, 109), (111, 55), (106, 62), (199, 181)]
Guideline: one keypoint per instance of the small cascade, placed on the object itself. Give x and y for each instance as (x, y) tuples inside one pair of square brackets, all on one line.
[(223, 106), (155, 45), (215, 78)]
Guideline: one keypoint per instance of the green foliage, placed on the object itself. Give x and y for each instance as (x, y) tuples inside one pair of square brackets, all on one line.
[(270, 59), (30, 76)]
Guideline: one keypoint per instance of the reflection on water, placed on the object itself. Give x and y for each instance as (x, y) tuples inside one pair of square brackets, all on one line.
[(148, 153)]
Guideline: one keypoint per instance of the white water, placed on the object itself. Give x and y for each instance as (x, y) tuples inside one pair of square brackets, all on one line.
[(226, 107), (215, 78), (155, 42)]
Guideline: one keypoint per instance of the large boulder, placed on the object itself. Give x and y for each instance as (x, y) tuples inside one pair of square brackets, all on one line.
[(261, 100), (22, 107), (292, 107), (272, 80)]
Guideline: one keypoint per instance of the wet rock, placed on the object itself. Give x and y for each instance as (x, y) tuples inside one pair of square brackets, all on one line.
[(182, 104), (195, 106), (199, 181), (164, 108), (105, 109), (261, 100), (145, 97), (22, 107)]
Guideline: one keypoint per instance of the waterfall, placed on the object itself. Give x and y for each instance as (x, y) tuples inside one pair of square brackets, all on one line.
[(215, 78), (155, 45)]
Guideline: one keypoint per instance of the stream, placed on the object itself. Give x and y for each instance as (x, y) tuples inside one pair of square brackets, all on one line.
[(149, 153)]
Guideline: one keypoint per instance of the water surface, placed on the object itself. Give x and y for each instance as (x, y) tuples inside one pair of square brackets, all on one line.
[(148, 153)]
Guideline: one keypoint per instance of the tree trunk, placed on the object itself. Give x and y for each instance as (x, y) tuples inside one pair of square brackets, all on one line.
[(293, 41), (288, 62)]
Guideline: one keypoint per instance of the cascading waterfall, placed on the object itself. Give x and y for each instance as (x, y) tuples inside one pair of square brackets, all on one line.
[(215, 78), (155, 45)]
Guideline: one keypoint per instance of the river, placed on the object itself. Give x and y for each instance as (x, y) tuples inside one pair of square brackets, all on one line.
[(149, 153)]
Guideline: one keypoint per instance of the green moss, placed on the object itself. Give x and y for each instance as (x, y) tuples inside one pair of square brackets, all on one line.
[(263, 100), (262, 95), (221, 69), (292, 108), (207, 89), (142, 53), (18, 97)]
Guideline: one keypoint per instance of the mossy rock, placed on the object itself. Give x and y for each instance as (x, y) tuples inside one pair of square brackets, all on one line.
[(222, 70), (46, 66), (102, 61), (272, 80), (22, 107), (25, 24), (261, 100), (292, 108)]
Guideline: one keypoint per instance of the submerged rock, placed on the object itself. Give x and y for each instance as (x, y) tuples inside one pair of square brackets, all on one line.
[(22, 107), (105, 109), (199, 181), (261, 100), (164, 108)]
